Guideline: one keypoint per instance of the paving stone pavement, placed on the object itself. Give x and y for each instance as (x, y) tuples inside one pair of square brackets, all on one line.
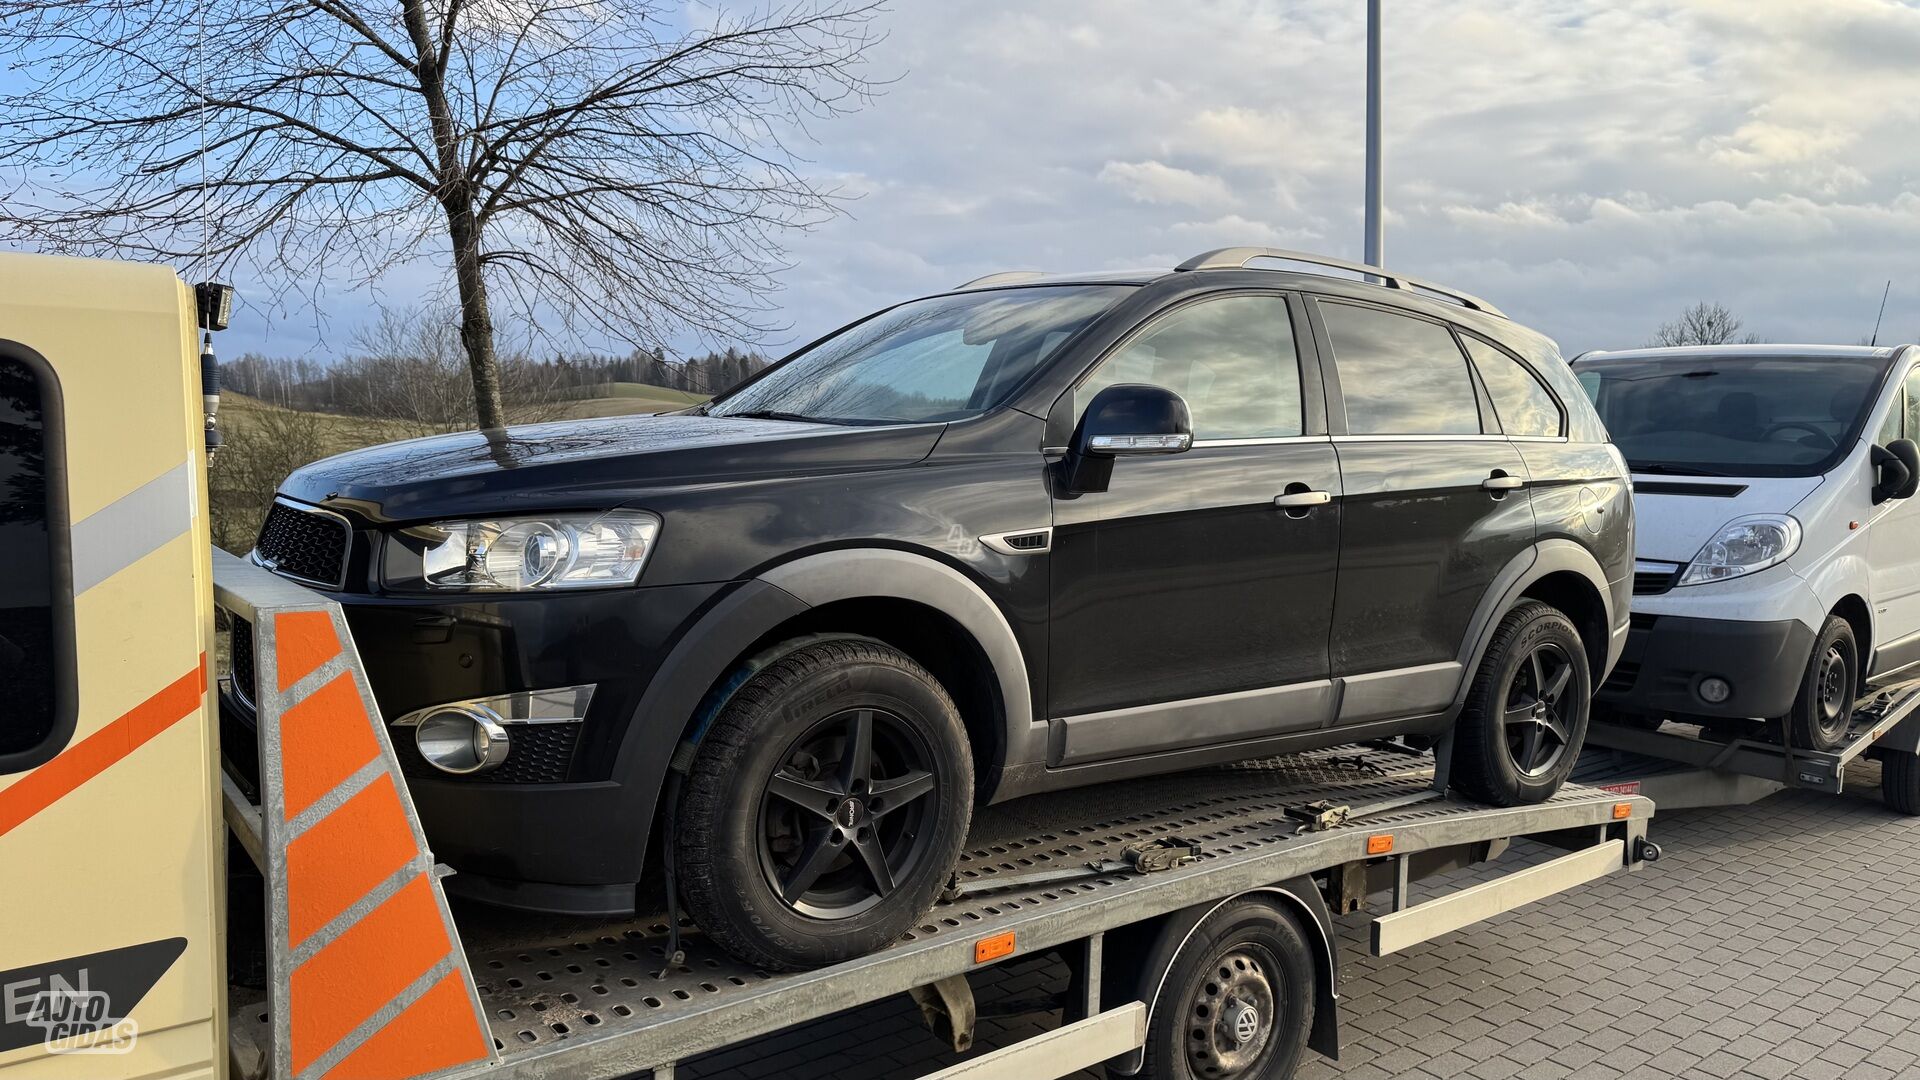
[(1773, 940)]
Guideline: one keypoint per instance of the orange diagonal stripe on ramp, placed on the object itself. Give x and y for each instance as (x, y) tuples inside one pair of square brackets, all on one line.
[(92, 755)]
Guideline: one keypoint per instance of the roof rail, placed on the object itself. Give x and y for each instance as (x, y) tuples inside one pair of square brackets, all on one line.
[(1004, 277), (1236, 258)]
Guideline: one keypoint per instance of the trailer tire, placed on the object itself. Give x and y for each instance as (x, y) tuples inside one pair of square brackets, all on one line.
[(1900, 781), (1823, 710), (1243, 983), (1526, 711), (747, 830)]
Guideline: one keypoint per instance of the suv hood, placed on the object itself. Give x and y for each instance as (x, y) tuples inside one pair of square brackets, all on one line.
[(1675, 516), (591, 463)]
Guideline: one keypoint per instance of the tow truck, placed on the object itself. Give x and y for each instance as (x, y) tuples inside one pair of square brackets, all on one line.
[(277, 911)]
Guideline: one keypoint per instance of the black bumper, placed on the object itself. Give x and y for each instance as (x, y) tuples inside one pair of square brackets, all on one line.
[(1668, 656)]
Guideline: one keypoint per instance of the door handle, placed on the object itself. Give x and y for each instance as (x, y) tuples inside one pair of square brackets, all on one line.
[(1503, 482), (1300, 500)]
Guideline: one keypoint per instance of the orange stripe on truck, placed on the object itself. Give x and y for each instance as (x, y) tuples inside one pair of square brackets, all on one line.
[(94, 754)]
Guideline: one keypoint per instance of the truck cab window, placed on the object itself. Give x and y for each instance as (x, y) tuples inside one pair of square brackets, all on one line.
[(27, 642)]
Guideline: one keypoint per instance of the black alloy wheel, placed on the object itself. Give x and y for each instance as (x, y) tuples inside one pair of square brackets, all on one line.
[(841, 820), (1538, 734)]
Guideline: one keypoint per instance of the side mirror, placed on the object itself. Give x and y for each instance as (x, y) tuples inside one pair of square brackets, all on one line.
[(1898, 463), (1124, 420)]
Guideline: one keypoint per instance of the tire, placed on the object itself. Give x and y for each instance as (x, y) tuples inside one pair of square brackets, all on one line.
[(1255, 955), (1513, 744), (1900, 781), (1823, 711), (781, 825)]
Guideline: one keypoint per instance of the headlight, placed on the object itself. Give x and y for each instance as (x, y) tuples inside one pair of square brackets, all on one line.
[(1744, 546), (561, 551)]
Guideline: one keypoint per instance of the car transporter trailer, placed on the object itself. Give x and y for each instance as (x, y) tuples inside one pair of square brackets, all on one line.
[(368, 975)]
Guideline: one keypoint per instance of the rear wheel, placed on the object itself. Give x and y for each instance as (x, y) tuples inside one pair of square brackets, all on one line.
[(1900, 780), (826, 806), (1823, 711), (1237, 1003), (1526, 712)]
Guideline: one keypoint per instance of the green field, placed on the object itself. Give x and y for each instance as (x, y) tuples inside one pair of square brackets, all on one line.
[(615, 399)]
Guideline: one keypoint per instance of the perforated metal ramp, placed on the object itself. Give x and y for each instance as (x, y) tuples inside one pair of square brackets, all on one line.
[(586, 999)]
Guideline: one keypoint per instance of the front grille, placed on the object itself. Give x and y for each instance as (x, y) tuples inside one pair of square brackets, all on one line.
[(1654, 582), (536, 754), (240, 662), (306, 545)]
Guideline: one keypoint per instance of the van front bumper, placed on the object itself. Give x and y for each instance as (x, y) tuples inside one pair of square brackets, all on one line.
[(1667, 657)]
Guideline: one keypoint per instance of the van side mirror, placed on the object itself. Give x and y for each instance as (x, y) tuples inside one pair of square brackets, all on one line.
[(1898, 463), (1124, 420)]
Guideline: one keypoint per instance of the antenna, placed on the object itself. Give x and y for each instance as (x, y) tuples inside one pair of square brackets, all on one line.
[(1875, 340)]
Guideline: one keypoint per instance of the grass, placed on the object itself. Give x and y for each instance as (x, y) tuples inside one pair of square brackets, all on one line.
[(621, 398)]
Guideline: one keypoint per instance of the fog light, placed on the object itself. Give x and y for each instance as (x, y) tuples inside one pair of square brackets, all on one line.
[(1715, 691), (462, 740)]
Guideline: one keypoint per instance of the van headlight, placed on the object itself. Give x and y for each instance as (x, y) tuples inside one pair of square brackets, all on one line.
[(1744, 546), (556, 551)]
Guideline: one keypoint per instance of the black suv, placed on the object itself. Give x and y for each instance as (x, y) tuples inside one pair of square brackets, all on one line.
[(1032, 533)]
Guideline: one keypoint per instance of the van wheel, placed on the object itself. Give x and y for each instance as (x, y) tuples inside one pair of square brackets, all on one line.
[(1900, 781), (1237, 1003), (826, 806), (1823, 712), (1526, 712)]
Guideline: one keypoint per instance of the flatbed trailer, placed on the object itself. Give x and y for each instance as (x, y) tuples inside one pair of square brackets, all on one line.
[(1137, 863), (1683, 765)]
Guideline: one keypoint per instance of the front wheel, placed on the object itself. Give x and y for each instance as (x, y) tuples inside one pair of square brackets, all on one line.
[(1526, 712), (1823, 711), (826, 807)]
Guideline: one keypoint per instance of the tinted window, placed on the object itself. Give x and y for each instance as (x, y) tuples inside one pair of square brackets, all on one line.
[(1232, 359), (1399, 375), (944, 358), (1522, 404), (1912, 429), (26, 585), (1733, 415)]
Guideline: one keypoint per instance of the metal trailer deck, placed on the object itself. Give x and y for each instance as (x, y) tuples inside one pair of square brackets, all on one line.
[(585, 999), (1682, 765)]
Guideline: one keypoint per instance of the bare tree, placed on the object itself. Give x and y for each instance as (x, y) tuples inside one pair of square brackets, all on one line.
[(1704, 324), (408, 370), (595, 162)]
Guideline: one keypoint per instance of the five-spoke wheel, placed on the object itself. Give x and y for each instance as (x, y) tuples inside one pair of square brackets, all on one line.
[(1537, 733), (1526, 710)]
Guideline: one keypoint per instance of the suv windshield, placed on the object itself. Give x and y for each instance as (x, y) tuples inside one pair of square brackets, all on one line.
[(1732, 415), (943, 358)]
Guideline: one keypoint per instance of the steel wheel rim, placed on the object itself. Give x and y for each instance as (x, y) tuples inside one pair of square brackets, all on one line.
[(1230, 1020), (1835, 674), (1541, 706), (846, 815)]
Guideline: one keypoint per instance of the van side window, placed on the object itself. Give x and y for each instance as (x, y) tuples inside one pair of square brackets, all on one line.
[(1231, 359), (28, 658), (1523, 405), (1400, 375), (1912, 430)]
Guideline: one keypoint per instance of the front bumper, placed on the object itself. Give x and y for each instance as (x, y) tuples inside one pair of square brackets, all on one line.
[(1667, 657), (561, 830)]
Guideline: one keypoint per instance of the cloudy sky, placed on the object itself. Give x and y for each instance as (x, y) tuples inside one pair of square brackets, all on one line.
[(1592, 166)]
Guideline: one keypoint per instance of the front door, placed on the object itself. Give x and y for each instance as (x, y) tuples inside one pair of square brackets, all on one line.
[(1894, 555), (1435, 507), (1184, 580)]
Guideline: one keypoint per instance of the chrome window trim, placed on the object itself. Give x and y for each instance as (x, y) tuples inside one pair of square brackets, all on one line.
[(1274, 440), (347, 556), (1420, 438)]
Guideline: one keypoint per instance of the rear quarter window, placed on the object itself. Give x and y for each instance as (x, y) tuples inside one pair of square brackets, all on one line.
[(35, 642)]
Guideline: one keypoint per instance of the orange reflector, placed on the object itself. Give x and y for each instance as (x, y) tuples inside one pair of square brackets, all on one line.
[(993, 948), (1380, 845), (1622, 811)]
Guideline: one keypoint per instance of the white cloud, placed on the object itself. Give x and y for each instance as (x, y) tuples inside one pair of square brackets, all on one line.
[(1153, 182)]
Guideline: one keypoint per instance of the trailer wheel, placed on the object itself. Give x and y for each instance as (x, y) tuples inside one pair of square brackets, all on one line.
[(1823, 711), (1900, 780), (1526, 712), (1237, 1004), (826, 806)]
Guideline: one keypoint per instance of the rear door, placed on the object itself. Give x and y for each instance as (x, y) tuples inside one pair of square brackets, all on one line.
[(1188, 608), (1434, 506)]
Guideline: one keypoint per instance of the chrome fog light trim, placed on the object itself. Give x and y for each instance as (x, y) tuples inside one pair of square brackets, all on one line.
[(462, 740)]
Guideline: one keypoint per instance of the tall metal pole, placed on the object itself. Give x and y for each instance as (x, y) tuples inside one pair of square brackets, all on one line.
[(1375, 200)]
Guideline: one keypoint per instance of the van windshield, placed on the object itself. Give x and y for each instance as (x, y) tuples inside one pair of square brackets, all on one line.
[(944, 358), (1732, 415)]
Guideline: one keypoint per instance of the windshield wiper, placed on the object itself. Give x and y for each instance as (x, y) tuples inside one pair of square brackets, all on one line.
[(1668, 469), (774, 414)]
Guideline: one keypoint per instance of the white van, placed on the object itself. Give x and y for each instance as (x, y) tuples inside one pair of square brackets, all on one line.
[(1778, 550)]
